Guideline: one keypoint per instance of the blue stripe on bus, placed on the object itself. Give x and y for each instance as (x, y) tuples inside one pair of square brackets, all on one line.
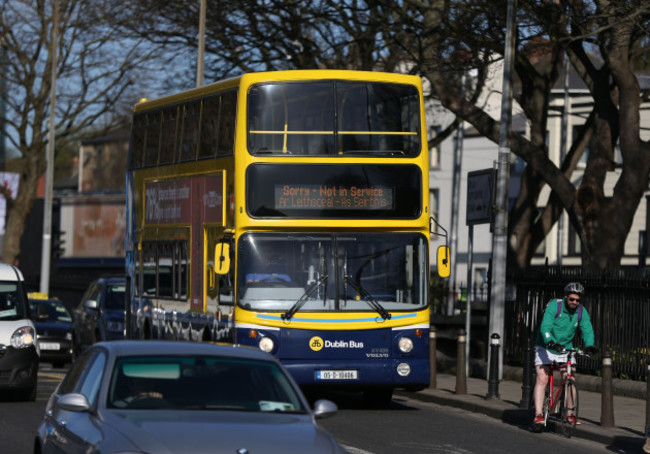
[(329, 320)]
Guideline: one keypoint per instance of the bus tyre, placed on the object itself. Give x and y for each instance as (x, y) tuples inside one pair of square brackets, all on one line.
[(378, 397)]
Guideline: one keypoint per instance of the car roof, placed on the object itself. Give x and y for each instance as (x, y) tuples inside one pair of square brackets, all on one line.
[(162, 348), (55, 301), (112, 278), (10, 273)]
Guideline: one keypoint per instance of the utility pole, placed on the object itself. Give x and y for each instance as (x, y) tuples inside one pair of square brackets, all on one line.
[(455, 195), (500, 234), (49, 174), (201, 50)]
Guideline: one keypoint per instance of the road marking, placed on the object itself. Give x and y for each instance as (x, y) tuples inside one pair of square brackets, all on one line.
[(52, 375)]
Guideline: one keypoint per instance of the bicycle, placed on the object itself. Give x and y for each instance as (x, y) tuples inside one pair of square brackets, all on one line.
[(563, 400)]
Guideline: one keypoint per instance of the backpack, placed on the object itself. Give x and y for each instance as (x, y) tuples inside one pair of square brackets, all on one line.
[(559, 310)]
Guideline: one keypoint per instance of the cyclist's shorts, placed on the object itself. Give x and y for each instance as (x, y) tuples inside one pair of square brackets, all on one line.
[(545, 358)]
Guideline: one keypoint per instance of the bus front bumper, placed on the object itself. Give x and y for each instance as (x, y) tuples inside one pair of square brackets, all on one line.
[(406, 373)]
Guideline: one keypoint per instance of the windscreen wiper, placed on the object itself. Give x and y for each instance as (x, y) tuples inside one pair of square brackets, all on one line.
[(303, 299), (368, 298)]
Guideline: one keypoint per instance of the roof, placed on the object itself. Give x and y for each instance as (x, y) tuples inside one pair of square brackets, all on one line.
[(10, 273), (164, 348)]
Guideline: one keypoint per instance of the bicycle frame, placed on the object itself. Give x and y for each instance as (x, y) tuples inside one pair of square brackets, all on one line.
[(563, 400), (555, 396)]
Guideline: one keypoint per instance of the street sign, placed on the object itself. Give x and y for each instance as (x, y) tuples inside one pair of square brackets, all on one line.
[(480, 186)]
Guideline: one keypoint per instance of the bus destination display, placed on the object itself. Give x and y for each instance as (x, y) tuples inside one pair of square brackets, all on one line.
[(335, 197)]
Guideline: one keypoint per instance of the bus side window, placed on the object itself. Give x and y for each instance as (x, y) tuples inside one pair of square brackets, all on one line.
[(137, 141), (152, 142), (189, 141), (209, 127), (227, 115), (168, 142)]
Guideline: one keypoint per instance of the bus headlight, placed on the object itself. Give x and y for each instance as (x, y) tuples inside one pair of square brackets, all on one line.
[(403, 369), (266, 344), (405, 344), (23, 337)]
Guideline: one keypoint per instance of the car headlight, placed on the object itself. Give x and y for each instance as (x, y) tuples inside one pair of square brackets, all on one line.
[(23, 337), (266, 344), (68, 336), (405, 344)]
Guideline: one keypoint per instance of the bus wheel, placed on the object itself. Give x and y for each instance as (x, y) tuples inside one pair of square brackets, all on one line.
[(378, 397)]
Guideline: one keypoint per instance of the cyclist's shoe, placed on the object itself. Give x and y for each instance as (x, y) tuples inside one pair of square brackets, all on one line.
[(539, 421), (573, 420)]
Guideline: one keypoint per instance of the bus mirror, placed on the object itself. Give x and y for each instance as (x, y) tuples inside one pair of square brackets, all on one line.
[(444, 262), (222, 258)]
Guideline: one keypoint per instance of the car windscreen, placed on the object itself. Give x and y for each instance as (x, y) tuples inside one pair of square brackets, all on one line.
[(201, 383), (12, 301), (115, 296), (56, 311)]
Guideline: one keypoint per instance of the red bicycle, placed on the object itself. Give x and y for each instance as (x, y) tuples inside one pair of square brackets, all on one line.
[(562, 402)]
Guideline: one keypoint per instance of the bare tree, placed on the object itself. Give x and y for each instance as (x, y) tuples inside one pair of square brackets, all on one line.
[(96, 70), (603, 42), (442, 39)]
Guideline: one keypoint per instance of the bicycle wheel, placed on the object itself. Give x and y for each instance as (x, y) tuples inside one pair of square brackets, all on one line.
[(569, 407)]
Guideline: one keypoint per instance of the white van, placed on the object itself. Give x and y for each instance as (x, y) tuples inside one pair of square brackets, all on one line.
[(19, 353)]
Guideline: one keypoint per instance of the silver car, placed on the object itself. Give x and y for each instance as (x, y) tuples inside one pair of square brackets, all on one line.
[(181, 397)]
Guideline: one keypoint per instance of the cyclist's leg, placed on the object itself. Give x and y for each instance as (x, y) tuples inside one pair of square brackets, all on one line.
[(539, 392), (542, 373)]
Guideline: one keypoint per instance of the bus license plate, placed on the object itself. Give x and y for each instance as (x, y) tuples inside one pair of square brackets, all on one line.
[(336, 375)]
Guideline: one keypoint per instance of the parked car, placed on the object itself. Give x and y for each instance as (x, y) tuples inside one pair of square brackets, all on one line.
[(180, 397), (100, 313), (19, 353), (54, 329)]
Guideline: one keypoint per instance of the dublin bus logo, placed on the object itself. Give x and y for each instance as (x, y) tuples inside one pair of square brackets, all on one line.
[(316, 343)]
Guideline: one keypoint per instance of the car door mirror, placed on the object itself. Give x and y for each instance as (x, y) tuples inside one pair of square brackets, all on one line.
[(91, 304), (324, 408), (74, 402)]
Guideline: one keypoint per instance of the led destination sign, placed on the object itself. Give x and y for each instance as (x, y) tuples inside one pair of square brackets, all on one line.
[(334, 191), (339, 197)]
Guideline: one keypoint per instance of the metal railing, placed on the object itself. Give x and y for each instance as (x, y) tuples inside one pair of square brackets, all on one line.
[(618, 304)]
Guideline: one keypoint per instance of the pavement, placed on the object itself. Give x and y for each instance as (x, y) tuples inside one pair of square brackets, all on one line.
[(626, 433)]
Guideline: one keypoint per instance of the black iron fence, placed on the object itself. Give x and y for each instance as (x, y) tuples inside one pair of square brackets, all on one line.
[(618, 304)]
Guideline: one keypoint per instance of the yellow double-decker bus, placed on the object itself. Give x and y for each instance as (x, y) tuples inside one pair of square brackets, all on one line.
[(287, 211)]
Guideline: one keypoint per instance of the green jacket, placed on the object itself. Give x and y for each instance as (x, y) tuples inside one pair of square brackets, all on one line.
[(563, 329)]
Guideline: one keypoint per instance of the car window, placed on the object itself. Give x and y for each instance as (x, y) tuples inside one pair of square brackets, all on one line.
[(202, 382), (90, 292), (96, 293), (12, 303), (89, 385), (76, 373)]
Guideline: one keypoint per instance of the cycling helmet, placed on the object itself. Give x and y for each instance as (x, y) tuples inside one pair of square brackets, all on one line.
[(574, 287)]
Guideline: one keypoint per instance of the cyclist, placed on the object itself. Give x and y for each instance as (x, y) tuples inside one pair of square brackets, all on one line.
[(556, 333)]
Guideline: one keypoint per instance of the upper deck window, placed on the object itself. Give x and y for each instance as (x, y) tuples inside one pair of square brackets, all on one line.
[(334, 118)]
